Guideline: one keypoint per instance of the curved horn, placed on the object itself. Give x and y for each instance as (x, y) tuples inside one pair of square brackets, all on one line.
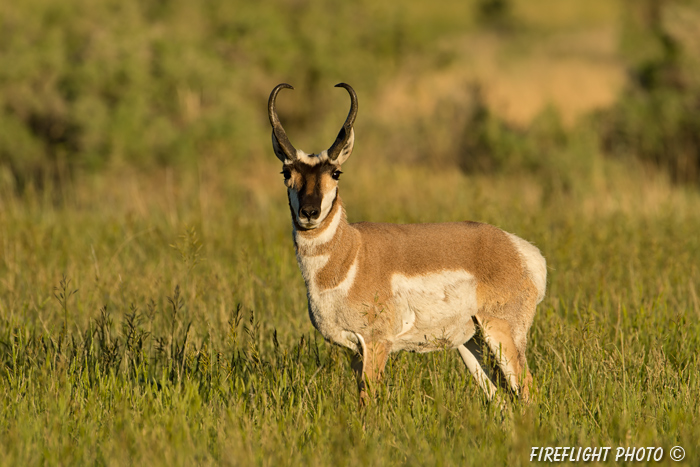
[(346, 131), (277, 129)]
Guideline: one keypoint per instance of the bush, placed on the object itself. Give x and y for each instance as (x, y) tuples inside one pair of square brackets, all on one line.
[(657, 117), (544, 148), (84, 85)]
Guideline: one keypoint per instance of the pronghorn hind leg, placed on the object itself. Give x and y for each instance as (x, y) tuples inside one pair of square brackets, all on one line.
[(498, 335), (472, 359), (369, 366)]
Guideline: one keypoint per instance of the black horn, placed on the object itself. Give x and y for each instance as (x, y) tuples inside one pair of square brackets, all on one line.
[(346, 131), (277, 129)]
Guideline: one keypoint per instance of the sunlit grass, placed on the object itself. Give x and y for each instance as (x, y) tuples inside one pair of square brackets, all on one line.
[(187, 338)]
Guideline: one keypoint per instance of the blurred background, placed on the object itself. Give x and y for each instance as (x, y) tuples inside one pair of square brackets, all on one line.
[(539, 87)]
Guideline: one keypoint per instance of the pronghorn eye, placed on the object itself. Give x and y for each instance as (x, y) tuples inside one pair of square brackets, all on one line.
[(336, 174), (287, 174)]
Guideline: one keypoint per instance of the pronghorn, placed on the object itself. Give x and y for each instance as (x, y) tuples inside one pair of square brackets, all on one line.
[(378, 288)]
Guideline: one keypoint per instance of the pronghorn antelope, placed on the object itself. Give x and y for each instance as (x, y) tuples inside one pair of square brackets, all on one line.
[(379, 288)]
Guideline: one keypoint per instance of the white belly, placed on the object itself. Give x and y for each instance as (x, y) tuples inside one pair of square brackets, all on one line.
[(435, 310), (426, 312)]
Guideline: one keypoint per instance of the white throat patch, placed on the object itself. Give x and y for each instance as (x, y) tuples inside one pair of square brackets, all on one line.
[(322, 238)]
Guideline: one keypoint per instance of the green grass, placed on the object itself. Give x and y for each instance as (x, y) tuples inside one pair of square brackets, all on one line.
[(161, 319)]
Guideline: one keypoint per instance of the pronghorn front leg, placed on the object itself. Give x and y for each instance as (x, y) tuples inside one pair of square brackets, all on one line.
[(369, 365)]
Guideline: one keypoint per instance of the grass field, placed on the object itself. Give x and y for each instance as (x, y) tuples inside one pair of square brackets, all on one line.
[(151, 308), (172, 328)]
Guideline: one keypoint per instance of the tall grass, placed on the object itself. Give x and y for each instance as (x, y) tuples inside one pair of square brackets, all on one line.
[(172, 327)]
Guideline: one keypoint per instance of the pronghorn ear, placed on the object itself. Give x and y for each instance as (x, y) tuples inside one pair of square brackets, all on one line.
[(279, 152), (347, 149)]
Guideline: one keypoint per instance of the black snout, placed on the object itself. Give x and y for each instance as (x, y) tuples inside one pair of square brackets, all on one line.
[(310, 212)]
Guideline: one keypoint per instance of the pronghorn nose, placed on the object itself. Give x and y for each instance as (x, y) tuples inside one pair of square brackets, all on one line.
[(310, 212)]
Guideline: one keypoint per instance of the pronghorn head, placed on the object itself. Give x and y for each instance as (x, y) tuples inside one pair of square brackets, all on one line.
[(311, 179)]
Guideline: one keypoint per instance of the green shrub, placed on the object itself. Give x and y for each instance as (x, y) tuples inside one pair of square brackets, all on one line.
[(656, 118), (560, 158), (85, 85)]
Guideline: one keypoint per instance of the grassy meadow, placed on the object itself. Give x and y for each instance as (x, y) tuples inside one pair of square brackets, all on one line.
[(151, 308)]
